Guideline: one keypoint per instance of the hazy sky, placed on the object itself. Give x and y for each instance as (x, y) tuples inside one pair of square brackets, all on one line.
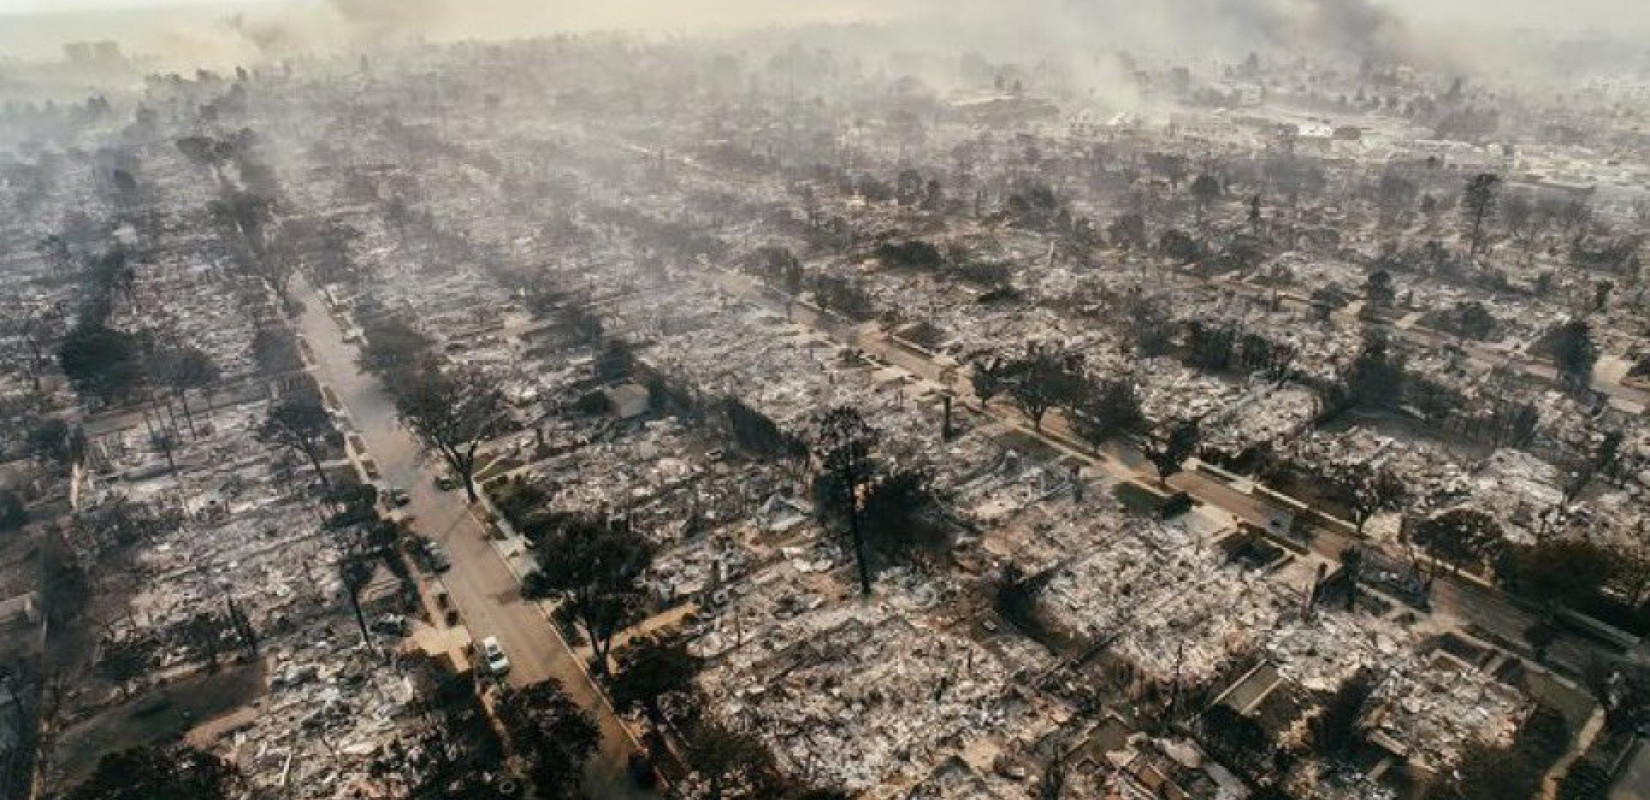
[(1565, 13), (195, 29), (36, 6), (1611, 14)]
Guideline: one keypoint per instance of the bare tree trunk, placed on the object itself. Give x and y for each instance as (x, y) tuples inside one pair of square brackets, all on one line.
[(315, 461), (360, 619), (189, 417), (208, 640), (470, 485), (466, 467), (161, 439), (599, 648), (860, 558)]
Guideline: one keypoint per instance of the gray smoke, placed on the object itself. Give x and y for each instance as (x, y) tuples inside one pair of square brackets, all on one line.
[(1353, 27), (1350, 28)]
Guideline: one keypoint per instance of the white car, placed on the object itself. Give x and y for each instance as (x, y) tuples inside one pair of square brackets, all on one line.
[(493, 654)]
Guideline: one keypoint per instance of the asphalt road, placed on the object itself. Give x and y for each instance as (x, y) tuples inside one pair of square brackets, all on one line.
[(481, 586)]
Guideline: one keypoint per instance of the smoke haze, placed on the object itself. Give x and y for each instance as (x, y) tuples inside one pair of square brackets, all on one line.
[(1076, 32)]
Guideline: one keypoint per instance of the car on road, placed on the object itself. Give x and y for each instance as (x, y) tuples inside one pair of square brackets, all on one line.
[(492, 654)]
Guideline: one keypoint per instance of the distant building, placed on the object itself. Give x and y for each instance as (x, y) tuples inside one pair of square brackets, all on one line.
[(1246, 95), (1461, 156), (94, 54), (1002, 109), (107, 53), (78, 53)]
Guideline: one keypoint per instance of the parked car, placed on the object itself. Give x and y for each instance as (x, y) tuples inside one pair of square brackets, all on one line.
[(391, 625), (444, 603), (446, 483), (435, 556), (492, 654), (398, 497)]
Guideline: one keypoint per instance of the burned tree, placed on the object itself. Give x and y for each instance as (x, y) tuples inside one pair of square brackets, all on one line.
[(988, 379), (1560, 572), (843, 443), (1477, 203), (650, 671), (1040, 381), (1375, 378), (1205, 191), (1378, 291), (13, 513), (552, 734), (275, 352), (1366, 491), (244, 218), (1111, 408), (454, 411), (121, 661), (101, 363), (1168, 453), (55, 445), (1574, 354), (1395, 195), (595, 568), (730, 762), (184, 368), (394, 347), (1335, 731), (302, 425), (355, 570), (1461, 537), (1524, 221), (1128, 232), (1210, 345), (900, 520), (178, 773)]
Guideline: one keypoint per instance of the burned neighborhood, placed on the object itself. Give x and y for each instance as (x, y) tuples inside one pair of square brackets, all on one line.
[(1205, 399)]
